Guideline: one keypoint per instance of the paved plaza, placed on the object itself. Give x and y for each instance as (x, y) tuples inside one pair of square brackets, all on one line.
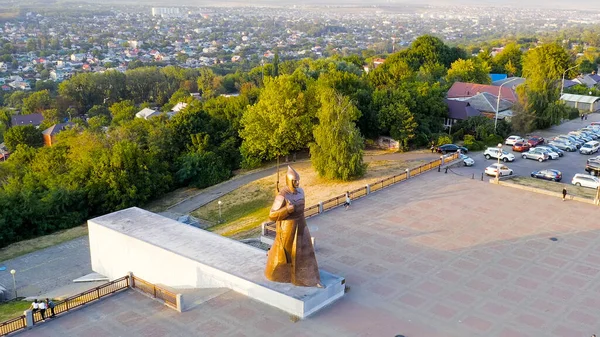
[(438, 255)]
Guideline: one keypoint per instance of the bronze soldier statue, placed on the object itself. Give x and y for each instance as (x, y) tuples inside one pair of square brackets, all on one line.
[(291, 259)]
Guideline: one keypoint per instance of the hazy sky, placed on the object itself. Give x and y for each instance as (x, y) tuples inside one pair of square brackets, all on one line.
[(579, 4)]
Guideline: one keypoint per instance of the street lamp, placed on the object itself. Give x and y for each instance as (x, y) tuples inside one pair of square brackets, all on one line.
[(498, 167), (13, 272), (562, 85), (498, 101), (220, 211)]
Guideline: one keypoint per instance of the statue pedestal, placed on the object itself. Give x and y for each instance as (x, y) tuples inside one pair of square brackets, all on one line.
[(163, 251)]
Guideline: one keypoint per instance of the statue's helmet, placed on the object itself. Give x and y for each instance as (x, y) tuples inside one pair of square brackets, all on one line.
[(290, 176)]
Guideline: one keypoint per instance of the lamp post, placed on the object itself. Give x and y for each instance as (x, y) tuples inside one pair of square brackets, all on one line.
[(220, 211), (13, 272), (562, 84), (498, 167), (498, 101)]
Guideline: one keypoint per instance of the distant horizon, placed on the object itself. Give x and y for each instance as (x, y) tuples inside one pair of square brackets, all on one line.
[(581, 5)]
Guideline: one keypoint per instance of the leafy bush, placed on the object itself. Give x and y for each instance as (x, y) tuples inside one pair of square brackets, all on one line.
[(460, 134), (444, 139), (472, 144), (493, 140)]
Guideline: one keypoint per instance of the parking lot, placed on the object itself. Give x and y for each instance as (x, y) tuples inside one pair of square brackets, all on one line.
[(570, 164)]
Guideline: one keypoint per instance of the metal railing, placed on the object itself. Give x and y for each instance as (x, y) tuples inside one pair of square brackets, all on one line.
[(155, 291), (12, 325), (312, 210), (85, 297)]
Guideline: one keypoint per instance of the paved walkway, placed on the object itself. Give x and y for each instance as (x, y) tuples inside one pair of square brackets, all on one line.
[(434, 256), (48, 269)]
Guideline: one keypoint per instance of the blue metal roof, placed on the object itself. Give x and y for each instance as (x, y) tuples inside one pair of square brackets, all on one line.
[(498, 77)]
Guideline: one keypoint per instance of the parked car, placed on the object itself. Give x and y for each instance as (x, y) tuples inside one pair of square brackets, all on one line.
[(566, 146), (549, 174), (590, 134), (590, 147), (584, 180), (551, 154), (552, 148), (521, 147), (535, 141), (581, 136), (570, 139), (593, 168), (446, 148), (493, 152), (513, 139), (593, 159), (467, 161), (536, 154), (493, 169)]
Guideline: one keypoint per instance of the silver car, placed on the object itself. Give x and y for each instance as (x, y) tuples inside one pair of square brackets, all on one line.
[(536, 154), (585, 180)]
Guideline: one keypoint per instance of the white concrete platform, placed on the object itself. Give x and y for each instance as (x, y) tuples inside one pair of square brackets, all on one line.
[(164, 251)]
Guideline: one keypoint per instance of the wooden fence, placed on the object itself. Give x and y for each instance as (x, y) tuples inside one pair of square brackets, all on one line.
[(12, 325), (155, 291), (85, 297)]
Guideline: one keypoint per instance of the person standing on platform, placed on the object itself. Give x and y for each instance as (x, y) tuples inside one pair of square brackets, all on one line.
[(564, 193)]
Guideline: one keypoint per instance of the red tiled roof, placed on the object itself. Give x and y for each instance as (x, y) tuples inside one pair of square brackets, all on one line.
[(465, 90)]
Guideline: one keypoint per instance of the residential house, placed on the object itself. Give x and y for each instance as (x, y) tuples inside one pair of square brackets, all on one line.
[(32, 119), (583, 103), (147, 113), (77, 57), (3, 67), (489, 105), (50, 133), (458, 111), (462, 91), (590, 80)]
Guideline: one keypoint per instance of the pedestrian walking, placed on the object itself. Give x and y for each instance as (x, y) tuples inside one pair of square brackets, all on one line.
[(564, 193), (42, 307), (581, 116), (586, 117), (432, 148), (348, 200), (50, 305)]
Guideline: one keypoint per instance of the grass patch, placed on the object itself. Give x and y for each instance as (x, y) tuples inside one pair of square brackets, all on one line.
[(244, 209), (12, 309), (24, 247), (582, 192)]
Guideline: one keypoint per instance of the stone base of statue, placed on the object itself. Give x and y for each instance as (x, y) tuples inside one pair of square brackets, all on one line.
[(164, 251)]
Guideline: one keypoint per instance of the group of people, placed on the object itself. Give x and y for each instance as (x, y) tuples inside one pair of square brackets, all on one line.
[(41, 306)]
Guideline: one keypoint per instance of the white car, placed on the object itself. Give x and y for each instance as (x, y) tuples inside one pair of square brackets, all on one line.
[(589, 147), (513, 139), (553, 155), (494, 152), (468, 161), (493, 169), (585, 180)]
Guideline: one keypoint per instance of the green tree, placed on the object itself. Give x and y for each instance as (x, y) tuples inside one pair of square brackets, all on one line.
[(509, 60), (470, 71), (23, 134), (586, 66), (37, 102), (336, 152), (279, 123), (400, 123), (122, 111), (201, 169)]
